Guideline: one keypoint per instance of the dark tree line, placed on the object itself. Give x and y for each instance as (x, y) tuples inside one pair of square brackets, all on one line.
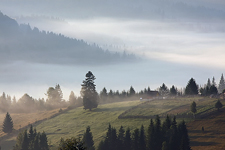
[(31, 140), (166, 136)]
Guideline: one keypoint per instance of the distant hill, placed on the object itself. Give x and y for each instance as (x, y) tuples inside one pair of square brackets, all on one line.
[(22, 43)]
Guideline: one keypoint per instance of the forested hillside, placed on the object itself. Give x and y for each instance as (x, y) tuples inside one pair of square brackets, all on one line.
[(22, 43)]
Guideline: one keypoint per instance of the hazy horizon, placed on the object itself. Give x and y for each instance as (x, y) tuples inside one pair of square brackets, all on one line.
[(174, 46)]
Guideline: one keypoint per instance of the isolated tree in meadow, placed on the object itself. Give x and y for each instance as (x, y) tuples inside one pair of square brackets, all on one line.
[(88, 139), (193, 108), (88, 92), (7, 124), (191, 88), (221, 86), (218, 105)]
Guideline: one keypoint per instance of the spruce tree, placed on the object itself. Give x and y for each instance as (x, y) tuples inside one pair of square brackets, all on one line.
[(43, 141), (121, 139), (191, 88), (193, 108), (88, 92), (221, 84), (135, 140), (218, 105), (25, 142), (142, 142), (127, 140), (88, 139), (158, 134), (150, 136), (7, 124), (183, 136)]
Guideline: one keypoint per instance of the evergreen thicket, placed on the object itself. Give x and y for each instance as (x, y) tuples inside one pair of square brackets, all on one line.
[(31, 140), (7, 124), (167, 136)]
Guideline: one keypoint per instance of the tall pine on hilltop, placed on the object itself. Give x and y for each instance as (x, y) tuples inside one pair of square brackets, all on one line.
[(7, 124), (88, 92)]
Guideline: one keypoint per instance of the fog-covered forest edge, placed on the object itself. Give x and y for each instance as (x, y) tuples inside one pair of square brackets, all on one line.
[(20, 42)]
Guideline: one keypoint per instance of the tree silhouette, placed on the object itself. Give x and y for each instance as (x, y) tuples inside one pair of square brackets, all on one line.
[(88, 139), (7, 124), (221, 84), (191, 88), (193, 108), (90, 96), (218, 105)]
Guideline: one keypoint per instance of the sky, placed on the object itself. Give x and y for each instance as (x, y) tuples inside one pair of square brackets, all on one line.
[(172, 49)]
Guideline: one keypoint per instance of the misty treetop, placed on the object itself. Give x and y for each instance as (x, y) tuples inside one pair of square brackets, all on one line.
[(21, 42)]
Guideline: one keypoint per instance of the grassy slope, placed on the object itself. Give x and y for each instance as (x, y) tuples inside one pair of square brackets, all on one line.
[(21, 120), (213, 137), (74, 122)]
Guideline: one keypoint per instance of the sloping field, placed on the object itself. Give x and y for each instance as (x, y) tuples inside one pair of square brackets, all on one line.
[(20, 121), (213, 137), (74, 122), (177, 106)]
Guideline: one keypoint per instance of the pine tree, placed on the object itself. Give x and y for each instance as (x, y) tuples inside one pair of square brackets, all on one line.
[(158, 134), (191, 88), (131, 91), (43, 141), (90, 96), (127, 140), (88, 139), (221, 84), (103, 94), (163, 90), (25, 142), (173, 91), (218, 105), (142, 142), (135, 140), (193, 108), (150, 136), (183, 136), (213, 82), (121, 139), (7, 124), (72, 99)]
